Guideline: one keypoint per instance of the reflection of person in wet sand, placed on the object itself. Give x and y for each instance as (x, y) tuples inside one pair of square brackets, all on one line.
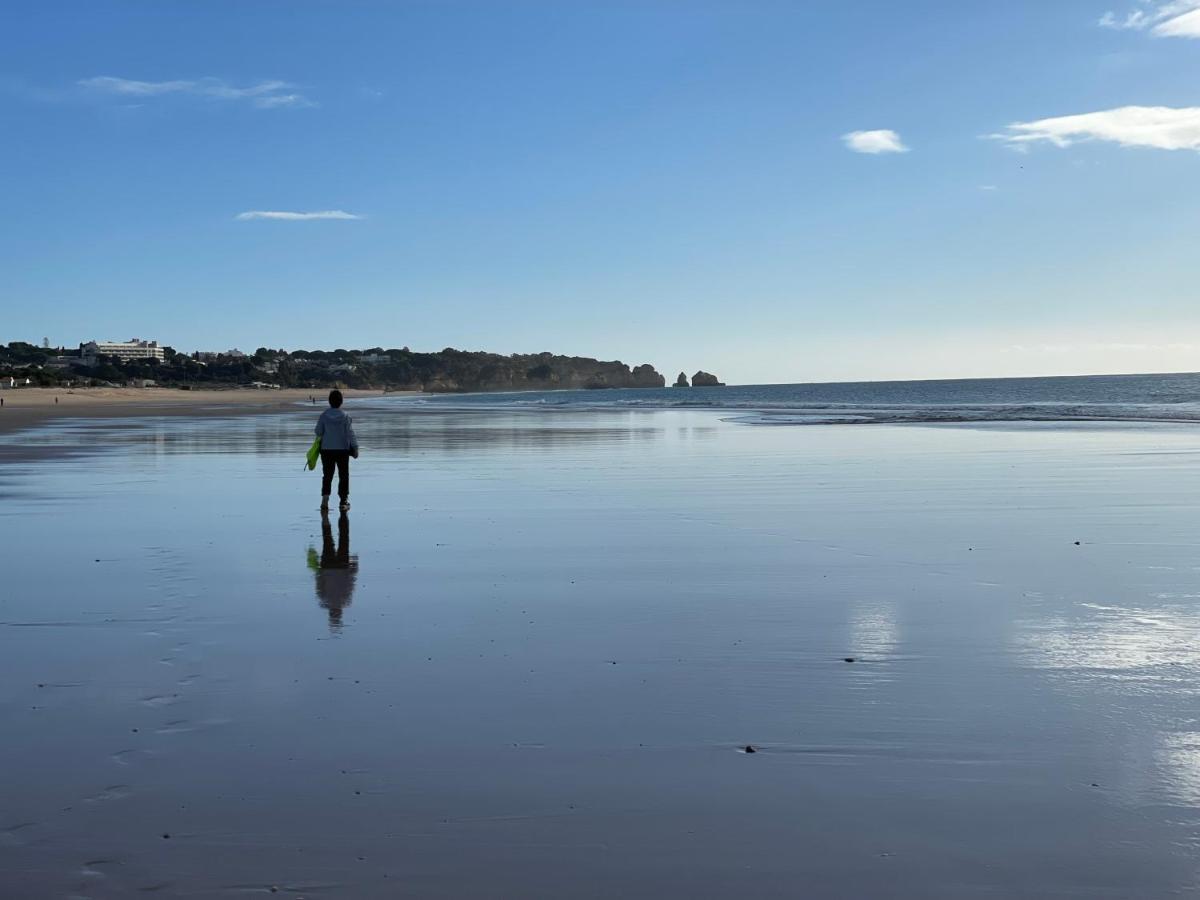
[(335, 569)]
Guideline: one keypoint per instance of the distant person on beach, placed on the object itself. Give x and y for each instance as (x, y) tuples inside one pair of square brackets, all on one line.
[(338, 445)]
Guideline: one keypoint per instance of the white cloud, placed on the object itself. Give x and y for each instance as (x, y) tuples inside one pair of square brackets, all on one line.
[(295, 216), (112, 85), (1187, 25), (264, 95), (276, 100), (883, 140), (1174, 18), (1161, 127), (216, 88)]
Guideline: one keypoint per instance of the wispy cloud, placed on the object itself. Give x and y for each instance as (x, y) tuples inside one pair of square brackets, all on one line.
[(275, 100), (295, 216), (883, 140), (1174, 18), (108, 84), (1161, 127), (264, 95)]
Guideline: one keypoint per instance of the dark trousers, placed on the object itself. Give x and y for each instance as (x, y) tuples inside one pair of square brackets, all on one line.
[(341, 459)]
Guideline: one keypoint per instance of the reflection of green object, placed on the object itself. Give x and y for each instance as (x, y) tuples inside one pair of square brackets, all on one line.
[(313, 453), (314, 561)]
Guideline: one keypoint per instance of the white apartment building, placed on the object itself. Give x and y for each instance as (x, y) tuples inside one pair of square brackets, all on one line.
[(123, 350)]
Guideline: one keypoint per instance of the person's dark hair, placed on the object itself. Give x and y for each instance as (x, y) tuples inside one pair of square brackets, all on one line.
[(335, 398)]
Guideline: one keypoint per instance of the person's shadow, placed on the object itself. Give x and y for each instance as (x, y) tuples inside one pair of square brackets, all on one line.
[(335, 570)]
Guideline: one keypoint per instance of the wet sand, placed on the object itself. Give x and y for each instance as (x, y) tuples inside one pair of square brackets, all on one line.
[(530, 659)]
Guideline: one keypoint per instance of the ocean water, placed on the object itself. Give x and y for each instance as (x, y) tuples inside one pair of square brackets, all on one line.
[(1173, 397), (529, 660)]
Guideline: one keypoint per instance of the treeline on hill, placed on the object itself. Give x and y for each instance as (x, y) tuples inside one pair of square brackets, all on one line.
[(447, 371), (22, 360)]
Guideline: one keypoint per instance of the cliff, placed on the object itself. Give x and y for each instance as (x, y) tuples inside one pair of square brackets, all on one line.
[(452, 371), (447, 371)]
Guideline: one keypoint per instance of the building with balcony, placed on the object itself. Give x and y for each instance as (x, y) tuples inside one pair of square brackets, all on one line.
[(123, 351)]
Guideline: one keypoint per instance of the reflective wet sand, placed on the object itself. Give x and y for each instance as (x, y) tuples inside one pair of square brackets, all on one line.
[(528, 662)]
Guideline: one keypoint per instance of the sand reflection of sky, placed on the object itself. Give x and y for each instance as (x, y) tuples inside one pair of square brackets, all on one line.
[(1179, 756), (1147, 657), (874, 631), (1117, 642)]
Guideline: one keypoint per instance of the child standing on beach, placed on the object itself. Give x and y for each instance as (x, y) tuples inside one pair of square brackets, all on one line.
[(338, 444)]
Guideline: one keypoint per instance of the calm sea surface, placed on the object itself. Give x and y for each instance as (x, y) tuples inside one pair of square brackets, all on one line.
[(1097, 397)]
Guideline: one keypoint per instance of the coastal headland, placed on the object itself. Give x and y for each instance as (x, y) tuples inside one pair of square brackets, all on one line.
[(149, 363)]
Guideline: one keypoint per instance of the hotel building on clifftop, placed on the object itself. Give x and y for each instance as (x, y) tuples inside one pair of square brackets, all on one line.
[(124, 351)]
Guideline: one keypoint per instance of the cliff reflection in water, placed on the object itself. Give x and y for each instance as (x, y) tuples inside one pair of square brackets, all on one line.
[(335, 570)]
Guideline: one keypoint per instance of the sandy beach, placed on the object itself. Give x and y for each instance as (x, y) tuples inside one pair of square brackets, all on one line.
[(25, 407), (530, 660)]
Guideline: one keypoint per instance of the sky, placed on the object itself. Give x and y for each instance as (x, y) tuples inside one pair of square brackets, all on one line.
[(770, 191)]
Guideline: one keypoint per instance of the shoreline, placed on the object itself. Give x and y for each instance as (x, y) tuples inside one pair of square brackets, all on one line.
[(30, 407)]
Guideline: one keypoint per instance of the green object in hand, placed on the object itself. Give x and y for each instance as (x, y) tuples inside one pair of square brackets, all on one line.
[(314, 452)]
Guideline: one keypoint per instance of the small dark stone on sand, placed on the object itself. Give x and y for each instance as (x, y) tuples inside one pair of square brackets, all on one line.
[(749, 748)]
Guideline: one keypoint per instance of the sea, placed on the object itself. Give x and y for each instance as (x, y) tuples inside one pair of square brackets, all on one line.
[(1099, 398)]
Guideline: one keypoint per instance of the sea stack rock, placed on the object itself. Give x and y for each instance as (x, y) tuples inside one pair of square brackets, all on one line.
[(645, 375), (682, 381), (703, 379)]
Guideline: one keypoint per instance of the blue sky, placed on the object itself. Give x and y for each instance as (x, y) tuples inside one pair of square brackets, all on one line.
[(672, 182)]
